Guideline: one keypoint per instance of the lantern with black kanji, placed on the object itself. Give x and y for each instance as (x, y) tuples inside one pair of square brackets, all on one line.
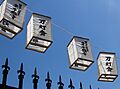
[(39, 33), (80, 54), (107, 66), (12, 13)]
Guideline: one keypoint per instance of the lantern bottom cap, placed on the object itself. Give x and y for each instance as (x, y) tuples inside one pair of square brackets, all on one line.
[(81, 64), (107, 77)]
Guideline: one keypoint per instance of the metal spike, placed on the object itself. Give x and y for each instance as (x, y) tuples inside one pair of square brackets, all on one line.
[(48, 78), (6, 62), (35, 74), (90, 87), (6, 67), (35, 71), (21, 67), (60, 80), (71, 82), (48, 75), (21, 72), (71, 85), (81, 86)]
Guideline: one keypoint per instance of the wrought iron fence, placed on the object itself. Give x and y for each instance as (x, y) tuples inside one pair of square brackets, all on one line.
[(35, 77)]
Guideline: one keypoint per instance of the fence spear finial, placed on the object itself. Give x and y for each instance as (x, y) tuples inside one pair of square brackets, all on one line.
[(71, 85), (60, 83)]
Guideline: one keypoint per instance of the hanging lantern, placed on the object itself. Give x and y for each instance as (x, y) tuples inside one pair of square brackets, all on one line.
[(107, 66), (80, 54), (39, 33), (12, 13)]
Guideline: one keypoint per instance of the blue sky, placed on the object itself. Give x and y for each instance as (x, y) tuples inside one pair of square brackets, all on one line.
[(98, 20)]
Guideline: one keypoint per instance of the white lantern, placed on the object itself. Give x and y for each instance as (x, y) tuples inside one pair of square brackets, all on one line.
[(80, 54), (107, 66), (12, 13), (39, 33)]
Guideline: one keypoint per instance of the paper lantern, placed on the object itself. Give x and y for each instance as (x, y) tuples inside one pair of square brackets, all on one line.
[(39, 36), (80, 54), (12, 13), (107, 66)]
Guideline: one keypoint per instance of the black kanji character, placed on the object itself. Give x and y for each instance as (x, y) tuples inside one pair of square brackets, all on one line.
[(42, 33), (84, 47), (108, 58), (84, 51), (108, 63), (42, 21), (42, 27), (6, 24), (35, 40), (109, 69), (16, 10), (19, 11)]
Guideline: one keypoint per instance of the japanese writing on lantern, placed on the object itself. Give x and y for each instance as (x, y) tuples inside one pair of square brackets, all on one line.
[(5, 24), (108, 64), (16, 10), (35, 40), (84, 47), (42, 27)]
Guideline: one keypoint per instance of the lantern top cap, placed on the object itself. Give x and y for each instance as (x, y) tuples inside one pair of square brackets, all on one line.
[(41, 15), (77, 37), (16, 0), (106, 53), (38, 15), (21, 2)]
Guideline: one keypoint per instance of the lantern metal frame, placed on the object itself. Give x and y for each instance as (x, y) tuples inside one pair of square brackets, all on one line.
[(107, 77)]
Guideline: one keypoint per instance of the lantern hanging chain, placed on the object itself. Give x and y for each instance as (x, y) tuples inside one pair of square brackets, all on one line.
[(70, 33), (29, 10), (101, 49), (63, 29), (117, 57)]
